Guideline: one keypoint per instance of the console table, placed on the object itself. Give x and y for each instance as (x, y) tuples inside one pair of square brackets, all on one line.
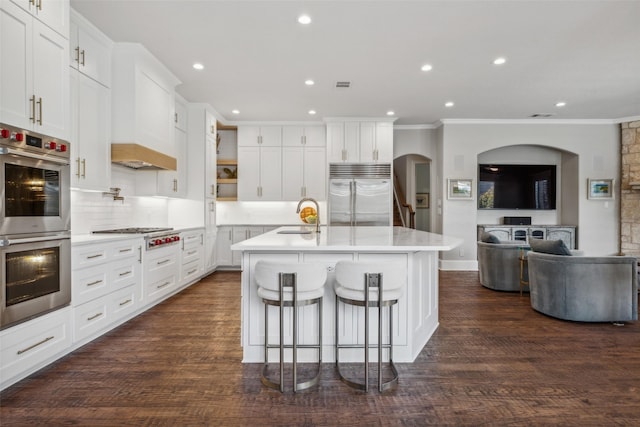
[(566, 233)]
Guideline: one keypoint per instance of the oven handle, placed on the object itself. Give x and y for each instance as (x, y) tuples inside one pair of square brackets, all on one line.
[(9, 242), (5, 150)]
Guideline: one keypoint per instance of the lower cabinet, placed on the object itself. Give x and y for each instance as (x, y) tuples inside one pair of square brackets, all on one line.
[(161, 273), (191, 256), (29, 346), (229, 235), (524, 233), (106, 285)]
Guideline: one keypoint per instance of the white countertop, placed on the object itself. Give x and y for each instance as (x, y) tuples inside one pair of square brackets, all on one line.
[(338, 239)]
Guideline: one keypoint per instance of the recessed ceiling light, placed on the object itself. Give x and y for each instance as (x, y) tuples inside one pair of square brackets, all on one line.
[(198, 66), (449, 104), (235, 111), (499, 61), (309, 82), (312, 112), (426, 67), (561, 104), (304, 19), (390, 113)]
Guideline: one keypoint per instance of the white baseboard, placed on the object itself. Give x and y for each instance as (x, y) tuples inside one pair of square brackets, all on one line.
[(463, 265)]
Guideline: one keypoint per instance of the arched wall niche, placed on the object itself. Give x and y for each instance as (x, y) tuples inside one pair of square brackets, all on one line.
[(567, 190)]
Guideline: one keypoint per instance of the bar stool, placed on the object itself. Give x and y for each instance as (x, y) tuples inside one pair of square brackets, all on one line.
[(290, 285), (361, 284)]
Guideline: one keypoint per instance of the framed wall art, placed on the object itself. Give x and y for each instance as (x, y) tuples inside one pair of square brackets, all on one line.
[(422, 200), (460, 189), (600, 188)]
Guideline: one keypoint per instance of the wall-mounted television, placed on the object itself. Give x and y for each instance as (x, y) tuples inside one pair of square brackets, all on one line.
[(516, 186)]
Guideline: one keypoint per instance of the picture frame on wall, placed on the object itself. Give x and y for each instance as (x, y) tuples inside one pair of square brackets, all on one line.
[(460, 189), (600, 189), (422, 200)]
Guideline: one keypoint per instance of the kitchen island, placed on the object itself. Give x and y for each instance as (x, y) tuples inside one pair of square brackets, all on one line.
[(415, 315)]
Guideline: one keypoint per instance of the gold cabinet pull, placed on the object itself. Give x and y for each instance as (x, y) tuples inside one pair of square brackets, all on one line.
[(163, 262), (163, 285), (34, 345), (175, 185), (94, 256), (125, 302), (84, 168), (94, 283), (40, 110), (95, 316), (126, 273), (39, 4), (32, 100), (77, 49), (78, 170), (82, 55)]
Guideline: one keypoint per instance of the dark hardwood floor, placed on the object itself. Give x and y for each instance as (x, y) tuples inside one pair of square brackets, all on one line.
[(493, 361)]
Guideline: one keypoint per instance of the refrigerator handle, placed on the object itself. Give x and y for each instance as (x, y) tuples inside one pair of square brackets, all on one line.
[(352, 188)]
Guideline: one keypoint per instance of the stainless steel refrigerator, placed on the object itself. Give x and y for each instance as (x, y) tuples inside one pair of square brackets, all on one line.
[(360, 194)]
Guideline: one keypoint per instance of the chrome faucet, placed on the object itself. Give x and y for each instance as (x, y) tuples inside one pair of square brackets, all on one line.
[(309, 199)]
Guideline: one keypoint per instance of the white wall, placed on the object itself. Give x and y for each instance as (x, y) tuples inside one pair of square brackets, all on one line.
[(597, 147)]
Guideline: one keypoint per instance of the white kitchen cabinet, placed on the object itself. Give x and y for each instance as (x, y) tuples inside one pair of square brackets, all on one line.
[(180, 114), (265, 136), (90, 134), (303, 136), (260, 173), (34, 73), (191, 256), (29, 346), (360, 141), (90, 50), (210, 157), (303, 173), (174, 183), (53, 13), (161, 274), (143, 99), (106, 285), (224, 240), (227, 236)]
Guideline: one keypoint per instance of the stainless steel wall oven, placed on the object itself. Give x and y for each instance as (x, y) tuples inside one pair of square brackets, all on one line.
[(35, 248)]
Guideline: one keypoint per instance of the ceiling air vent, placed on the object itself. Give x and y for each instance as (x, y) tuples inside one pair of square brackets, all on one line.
[(541, 115), (343, 84)]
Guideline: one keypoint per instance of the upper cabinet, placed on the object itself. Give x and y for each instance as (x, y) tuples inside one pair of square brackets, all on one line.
[(356, 141), (260, 136), (180, 114), (90, 51), (53, 13), (143, 110), (34, 72), (303, 162), (304, 136)]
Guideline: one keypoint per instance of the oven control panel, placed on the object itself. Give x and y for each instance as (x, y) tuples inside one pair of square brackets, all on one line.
[(162, 241), (13, 137)]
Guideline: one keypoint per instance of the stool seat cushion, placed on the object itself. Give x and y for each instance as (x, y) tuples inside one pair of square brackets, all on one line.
[(352, 294), (288, 295), (350, 279), (310, 280)]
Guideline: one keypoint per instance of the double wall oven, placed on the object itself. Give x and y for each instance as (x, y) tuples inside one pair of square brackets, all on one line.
[(35, 245)]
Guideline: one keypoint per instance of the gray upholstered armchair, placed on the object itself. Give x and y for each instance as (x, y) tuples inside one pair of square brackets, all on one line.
[(585, 289), (499, 265)]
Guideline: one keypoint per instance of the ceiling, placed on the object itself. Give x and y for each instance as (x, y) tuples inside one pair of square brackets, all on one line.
[(257, 56)]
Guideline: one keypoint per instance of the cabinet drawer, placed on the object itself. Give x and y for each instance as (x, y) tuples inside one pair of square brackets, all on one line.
[(191, 254), (191, 271), (123, 273), (158, 288), (90, 317), (125, 250), (122, 303), (88, 255), (36, 341), (88, 284)]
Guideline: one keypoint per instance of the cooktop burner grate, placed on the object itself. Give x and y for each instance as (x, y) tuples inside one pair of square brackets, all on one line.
[(133, 230)]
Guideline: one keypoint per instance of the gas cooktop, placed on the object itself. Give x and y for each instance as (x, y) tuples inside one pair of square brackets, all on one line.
[(133, 230)]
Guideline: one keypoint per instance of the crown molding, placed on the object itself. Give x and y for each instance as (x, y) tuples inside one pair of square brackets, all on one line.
[(531, 121), (414, 127)]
